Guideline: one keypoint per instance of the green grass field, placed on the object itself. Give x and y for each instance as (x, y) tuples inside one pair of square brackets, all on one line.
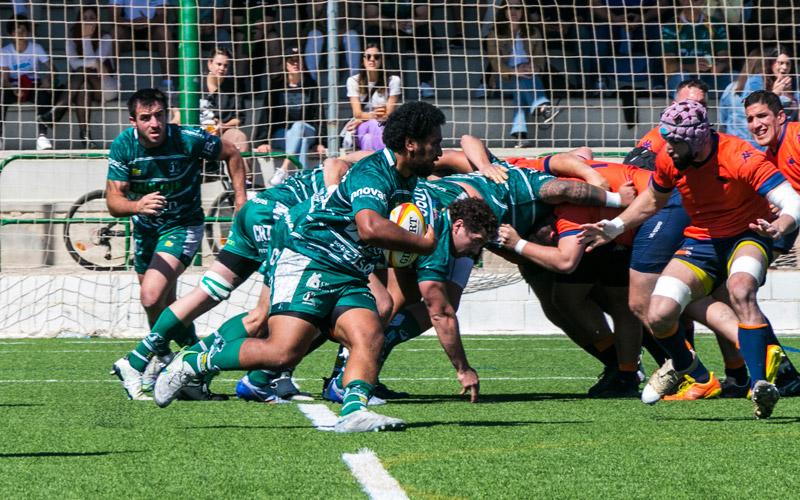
[(68, 432)]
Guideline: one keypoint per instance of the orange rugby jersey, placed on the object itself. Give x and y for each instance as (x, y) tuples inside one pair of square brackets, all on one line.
[(570, 217), (787, 153), (725, 194), (652, 141)]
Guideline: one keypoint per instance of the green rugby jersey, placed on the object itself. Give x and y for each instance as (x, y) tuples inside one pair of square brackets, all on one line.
[(324, 229), (436, 266), (174, 169), (515, 202), (297, 188)]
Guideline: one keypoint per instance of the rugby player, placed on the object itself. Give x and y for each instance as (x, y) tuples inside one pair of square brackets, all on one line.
[(726, 186), (154, 176), (321, 256)]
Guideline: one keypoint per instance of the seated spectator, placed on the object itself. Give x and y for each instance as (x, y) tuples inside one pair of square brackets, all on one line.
[(25, 76), (220, 107), (316, 38), (403, 30), (146, 19), (516, 55), (89, 54), (696, 45), (772, 73), (294, 112), (372, 99)]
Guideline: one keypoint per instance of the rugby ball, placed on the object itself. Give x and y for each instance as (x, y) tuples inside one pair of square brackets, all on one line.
[(409, 217)]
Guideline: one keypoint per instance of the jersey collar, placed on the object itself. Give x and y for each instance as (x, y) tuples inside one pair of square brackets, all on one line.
[(781, 137), (389, 155)]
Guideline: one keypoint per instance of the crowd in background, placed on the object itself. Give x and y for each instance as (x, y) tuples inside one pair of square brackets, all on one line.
[(272, 56)]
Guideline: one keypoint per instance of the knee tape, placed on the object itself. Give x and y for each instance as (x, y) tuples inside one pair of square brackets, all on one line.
[(749, 265), (215, 286), (674, 289)]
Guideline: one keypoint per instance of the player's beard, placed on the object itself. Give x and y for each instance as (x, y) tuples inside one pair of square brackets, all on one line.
[(421, 168)]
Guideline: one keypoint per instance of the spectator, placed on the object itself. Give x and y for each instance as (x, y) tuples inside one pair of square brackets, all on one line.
[(316, 40), (89, 54), (772, 73), (146, 18), (516, 54), (372, 98), (294, 112), (25, 76), (403, 28), (695, 44), (219, 105)]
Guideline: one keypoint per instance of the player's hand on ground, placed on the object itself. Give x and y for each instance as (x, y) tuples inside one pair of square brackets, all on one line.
[(470, 384), (497, 173), (596, 234), (507, 236), (627, 193), (764, 228), (151, 204)]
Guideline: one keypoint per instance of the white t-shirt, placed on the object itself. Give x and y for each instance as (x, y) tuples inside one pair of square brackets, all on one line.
[(135, 9), (90, 57), (376, 98), (25, 63)]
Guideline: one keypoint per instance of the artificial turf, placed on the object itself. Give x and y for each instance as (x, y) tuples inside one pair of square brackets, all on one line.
[(68, 432)]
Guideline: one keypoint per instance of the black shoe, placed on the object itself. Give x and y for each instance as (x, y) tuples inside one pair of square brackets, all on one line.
[(605, 378), (730, 389), (88, 143), (384, 392), (619, 387), (788, 387)]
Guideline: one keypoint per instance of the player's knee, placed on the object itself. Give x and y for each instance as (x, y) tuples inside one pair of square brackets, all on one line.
[(638, 305), (151, 297), (742, 289), (365, 340), (216, 286), (662, 316)]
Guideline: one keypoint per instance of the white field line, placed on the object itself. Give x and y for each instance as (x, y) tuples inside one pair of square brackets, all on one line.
[(415, 379), (320, 415), (374, 480)]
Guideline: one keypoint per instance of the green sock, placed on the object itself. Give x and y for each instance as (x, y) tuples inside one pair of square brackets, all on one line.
[(356, 395), (403, 327), (261, 378), (141, 355), (223, 356), (187, 337), (233, 328)]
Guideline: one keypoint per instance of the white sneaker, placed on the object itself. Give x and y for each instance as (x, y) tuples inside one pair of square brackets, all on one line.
[(177, 375), (278, 177), (131, 379), (661, 383), (367, 421), (153, 370), (765, 397), (426, 91), (43, 143)]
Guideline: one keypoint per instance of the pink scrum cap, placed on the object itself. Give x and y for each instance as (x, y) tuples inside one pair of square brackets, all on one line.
[(686, 121)]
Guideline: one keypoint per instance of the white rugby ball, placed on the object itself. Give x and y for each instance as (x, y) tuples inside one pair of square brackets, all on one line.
[(409, 217)]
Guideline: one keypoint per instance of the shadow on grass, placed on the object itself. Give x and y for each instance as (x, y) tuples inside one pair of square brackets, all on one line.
[(490, 398), (496, 423), (43, 454), (9, 405), (743, 418)]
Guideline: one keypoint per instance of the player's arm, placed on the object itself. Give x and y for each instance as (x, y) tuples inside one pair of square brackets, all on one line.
[(120, 206), (572, 165), (477, 155), (236, 171), (643, 207), (787, 200), (445, 323), (333, 169), (581, 193), (563, 258), (380, 232)]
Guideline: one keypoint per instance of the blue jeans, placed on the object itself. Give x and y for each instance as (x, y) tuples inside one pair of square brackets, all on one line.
[(528, 95), (295, 140)]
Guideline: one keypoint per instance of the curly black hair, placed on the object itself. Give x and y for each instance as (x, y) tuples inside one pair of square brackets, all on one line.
[(414, 120), (146, 97), (476, 214)]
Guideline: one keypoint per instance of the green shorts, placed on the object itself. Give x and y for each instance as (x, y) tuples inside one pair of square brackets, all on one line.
[(300, 285), (251, 230), (180, 242)]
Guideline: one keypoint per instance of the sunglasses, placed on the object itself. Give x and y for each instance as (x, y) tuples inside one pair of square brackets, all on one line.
[(372, 57)]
